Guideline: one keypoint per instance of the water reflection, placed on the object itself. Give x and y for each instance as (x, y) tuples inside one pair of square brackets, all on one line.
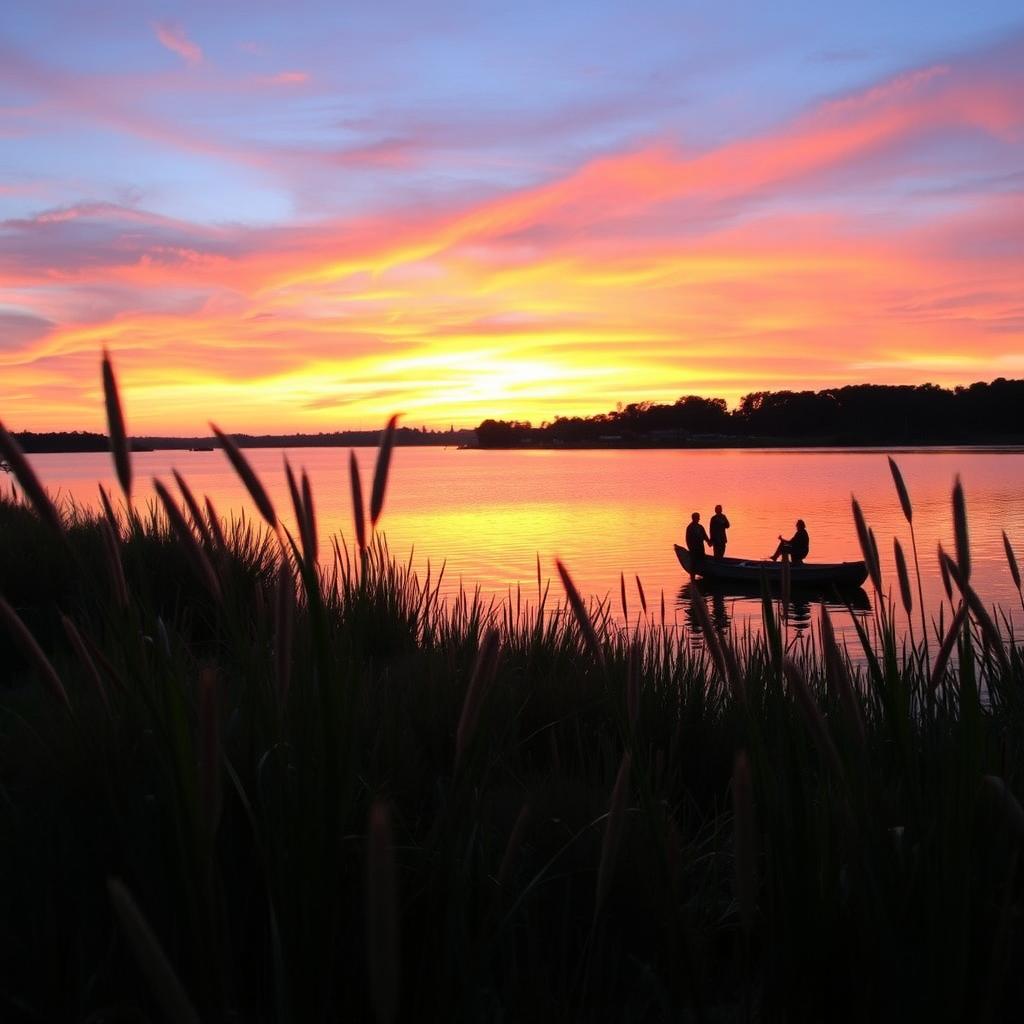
[(729, 602)]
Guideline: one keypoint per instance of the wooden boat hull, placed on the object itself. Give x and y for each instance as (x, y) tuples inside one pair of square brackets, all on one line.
[(749, 570)]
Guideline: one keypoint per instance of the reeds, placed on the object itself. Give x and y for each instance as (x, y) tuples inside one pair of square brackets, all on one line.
[(33, 653), (150, 957), (382, 935), (228, 746)]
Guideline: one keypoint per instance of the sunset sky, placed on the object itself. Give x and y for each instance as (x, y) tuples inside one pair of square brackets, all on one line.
[(309, 216)]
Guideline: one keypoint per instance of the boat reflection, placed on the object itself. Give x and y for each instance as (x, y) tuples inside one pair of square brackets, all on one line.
[(724, 599)]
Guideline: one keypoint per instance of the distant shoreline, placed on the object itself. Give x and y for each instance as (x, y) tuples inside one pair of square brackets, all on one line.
[(201, 445)]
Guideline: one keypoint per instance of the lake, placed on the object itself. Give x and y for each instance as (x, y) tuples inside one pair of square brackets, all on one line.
[(489, 514)]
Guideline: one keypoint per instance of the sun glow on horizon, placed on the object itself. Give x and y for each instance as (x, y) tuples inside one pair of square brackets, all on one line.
[(870, 233)]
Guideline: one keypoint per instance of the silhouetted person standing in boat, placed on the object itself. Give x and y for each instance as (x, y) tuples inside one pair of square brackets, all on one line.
[(797, 546), (719, 524), (696, 538)]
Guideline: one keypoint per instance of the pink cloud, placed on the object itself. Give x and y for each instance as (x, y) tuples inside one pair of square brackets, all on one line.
[(174, 39), (287, 78)]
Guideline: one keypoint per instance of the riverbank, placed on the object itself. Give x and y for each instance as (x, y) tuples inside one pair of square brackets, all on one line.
[(282, 792)]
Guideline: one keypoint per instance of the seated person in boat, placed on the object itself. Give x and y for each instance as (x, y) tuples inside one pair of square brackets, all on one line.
[(719, 524), (696, 538), (796, 547)]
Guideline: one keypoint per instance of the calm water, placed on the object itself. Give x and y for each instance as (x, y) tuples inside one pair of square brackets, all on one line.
[(490, 514)]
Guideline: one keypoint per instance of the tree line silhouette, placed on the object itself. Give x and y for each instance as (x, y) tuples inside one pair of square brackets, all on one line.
[(83, 441), (859, 414)]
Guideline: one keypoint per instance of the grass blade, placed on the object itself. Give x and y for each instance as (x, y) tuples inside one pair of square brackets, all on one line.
[(33, 652), (30, 485), (150, 957)]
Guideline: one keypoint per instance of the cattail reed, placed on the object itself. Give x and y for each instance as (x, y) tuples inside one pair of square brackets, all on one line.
[(302, 504), (867, 549), (30, 485), (108, 511), (622, 598), (1011, 561), (149, 955), (118, 437), (198, 519), (383, 950), (579, 610), (744, 840), (357, 501), (963, 547), (614, 826), (380, 474), (946, 648), (85, 660), (309, 537), (901, 491), (904, 578), (838, 676), (248, 477), (485, 668), (514, 845), (722, 655), (114, 564), (947, 583), (33, 652), (908, 513), (640, 591), (284, 614), (216, 531), (813, 717), (209, 754), (186, 538)]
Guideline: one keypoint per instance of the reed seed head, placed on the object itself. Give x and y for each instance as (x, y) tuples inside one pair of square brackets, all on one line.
[(640, 591), (357, 500), (901, 490), (248, 477), (903, 576), (868, 550), (963, 547), (1011, 561), (581, 614), (119, 446), (380, 473), (187, 541)]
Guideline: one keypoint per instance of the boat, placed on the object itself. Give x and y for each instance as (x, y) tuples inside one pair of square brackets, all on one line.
[(753, 570), (803, 595)]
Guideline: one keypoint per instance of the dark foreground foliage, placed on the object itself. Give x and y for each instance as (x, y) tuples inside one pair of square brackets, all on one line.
[(244, 780)]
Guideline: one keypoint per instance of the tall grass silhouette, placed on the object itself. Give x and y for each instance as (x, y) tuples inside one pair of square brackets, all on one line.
[(251, 776)]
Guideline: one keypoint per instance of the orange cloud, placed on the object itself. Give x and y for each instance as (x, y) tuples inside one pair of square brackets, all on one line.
[(804, 257)]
